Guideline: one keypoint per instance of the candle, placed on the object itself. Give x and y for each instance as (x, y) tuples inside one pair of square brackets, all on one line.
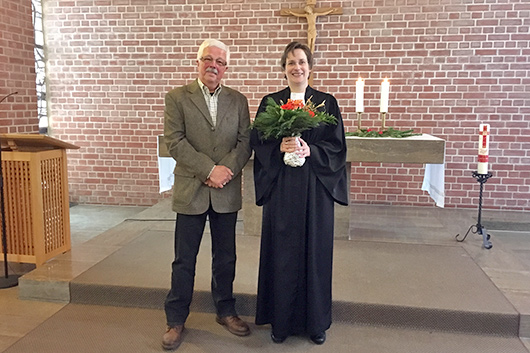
[(359, 95), (483, 148), (385, 90)]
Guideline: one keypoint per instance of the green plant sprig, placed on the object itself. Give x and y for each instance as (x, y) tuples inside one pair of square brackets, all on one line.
[(390, 132)]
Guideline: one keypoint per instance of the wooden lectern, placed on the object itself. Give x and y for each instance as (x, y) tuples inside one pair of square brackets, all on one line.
[(37, 211)]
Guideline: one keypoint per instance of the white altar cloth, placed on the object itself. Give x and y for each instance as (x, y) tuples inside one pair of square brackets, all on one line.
[(434, 183), (166, 166)]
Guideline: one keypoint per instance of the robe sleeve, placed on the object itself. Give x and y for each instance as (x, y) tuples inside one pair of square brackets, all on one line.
[(267, 158), (328, 156)]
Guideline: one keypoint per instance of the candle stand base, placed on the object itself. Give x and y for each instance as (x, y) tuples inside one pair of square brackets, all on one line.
[(359, 121), (479, 228)]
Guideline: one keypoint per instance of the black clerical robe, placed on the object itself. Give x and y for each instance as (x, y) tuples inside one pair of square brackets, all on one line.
[(296, 255)]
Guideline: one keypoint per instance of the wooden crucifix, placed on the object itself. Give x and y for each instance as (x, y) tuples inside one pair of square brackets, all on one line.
[(311, 13)]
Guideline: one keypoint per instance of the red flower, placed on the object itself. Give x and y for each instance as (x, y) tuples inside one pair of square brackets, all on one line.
[(299, 104), (380, 132), (293, 104)]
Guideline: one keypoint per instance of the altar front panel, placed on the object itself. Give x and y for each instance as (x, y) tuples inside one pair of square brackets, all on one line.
[(421, 149)]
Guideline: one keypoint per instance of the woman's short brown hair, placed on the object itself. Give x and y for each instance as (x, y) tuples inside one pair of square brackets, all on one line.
[(292, 47)]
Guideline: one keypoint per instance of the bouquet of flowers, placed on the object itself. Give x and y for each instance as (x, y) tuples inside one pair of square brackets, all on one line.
[(290, 119)]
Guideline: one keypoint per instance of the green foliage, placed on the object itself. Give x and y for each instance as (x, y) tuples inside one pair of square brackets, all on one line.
[(390, 132), (276, 122)]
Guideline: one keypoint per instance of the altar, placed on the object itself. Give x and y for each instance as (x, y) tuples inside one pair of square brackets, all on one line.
[(421, 149)]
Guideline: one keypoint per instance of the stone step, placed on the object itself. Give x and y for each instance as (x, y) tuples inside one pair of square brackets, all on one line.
[(399, 267), (394, 284), (87, 329)]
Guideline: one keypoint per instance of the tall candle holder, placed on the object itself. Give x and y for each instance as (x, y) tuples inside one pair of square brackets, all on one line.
[(479, 228), (383, 120), (359, 120)]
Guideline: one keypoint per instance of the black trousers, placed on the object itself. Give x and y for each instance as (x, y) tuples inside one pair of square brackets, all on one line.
[(188, 235)]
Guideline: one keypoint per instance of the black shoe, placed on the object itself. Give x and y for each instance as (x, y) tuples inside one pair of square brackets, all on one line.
[(319, 338), (277, 339)]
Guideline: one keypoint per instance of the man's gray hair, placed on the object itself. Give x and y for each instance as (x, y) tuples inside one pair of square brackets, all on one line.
[(213, 43)]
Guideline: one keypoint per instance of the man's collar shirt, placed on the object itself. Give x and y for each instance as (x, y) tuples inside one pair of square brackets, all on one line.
[(211, 99)]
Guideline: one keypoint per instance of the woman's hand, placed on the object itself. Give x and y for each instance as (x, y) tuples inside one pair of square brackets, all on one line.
[(304, 150), (289, 144), (292, 144)]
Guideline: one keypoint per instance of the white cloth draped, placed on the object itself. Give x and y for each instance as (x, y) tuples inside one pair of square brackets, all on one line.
[(434, 183), (166, 166)]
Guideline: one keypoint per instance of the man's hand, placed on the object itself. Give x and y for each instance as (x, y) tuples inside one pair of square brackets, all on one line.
[(219, 177)]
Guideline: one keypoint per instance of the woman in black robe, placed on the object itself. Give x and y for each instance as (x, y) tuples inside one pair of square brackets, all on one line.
[(296, 256)]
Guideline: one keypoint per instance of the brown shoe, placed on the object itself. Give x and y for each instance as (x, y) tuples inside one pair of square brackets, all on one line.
[(234, 325), (173, 337)]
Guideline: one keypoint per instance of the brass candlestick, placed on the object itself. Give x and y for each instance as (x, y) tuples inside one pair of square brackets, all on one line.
[(359, 121), (383, 120)]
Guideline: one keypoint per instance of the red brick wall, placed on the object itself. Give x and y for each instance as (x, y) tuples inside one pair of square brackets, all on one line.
[(18, 113), (452, 65)]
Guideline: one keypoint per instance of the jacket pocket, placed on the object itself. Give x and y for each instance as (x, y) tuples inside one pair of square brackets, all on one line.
[(184, 189)]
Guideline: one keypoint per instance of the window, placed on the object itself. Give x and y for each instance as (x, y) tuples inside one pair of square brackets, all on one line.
[(40, 68)]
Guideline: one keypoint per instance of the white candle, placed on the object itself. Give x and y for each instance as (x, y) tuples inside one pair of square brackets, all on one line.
[(385, 91), (483, 148), (359, 95)]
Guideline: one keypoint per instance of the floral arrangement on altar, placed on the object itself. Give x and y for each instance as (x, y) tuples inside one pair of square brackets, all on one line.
[(390, 132), (290, 119)]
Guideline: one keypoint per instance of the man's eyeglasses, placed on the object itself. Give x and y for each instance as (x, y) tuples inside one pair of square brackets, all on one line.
[(210, 60)]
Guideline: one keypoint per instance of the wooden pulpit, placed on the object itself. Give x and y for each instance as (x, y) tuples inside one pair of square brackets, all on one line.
[(35, 190)]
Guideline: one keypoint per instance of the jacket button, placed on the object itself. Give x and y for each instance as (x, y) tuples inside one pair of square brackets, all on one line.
[(213, 129), (215, 149)]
